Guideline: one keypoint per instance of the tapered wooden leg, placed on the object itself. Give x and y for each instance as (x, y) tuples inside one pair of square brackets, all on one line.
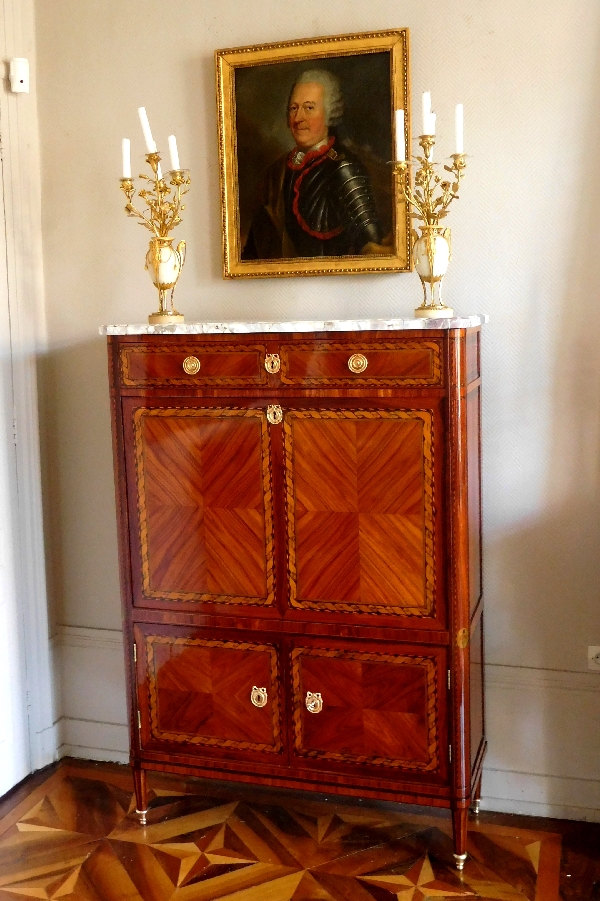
[(459, 827), (141, 793)]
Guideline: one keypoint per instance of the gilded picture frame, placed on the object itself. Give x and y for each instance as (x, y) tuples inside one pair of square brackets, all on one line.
[(280, 214)]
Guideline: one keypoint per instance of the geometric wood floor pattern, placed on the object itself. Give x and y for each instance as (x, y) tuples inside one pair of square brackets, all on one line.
[(76, 838)]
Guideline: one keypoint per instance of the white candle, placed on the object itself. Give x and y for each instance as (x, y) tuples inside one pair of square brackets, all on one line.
[(458, 120), (126, 158), (173, 151), (150, 145), (426, 111), (400, 151)]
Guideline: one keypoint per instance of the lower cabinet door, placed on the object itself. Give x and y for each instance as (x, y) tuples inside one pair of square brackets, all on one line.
[(201, 694), (380, 708)]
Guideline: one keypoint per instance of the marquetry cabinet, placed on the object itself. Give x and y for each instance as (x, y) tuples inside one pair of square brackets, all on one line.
[(299, 522)]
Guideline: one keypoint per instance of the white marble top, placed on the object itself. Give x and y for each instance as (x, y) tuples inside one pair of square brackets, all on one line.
[(320, 325)]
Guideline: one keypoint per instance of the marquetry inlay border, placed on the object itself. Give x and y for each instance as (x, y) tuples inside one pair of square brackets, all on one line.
[(273, 690), (214, 413), (433, 347), (193, 349), (299, 711), (426, 417)]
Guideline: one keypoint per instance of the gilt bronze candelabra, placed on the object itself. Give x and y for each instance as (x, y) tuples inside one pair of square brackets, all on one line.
[(162, 214), (428, 202)]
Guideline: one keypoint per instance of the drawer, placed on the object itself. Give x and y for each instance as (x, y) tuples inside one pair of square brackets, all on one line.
[(408, 363), (192, 365), (370, 707), (197, 692)]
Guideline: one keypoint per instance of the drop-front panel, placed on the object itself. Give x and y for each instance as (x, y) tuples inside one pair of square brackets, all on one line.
[(299, 521), (203, 504), (366, 477)]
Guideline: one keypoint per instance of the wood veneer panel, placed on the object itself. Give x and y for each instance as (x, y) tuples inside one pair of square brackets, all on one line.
[(379, 709), (142, 365), (459, 534), (204, 504), (406, 363), (401, 786), (474, 494), (360, 508), (199, 692)]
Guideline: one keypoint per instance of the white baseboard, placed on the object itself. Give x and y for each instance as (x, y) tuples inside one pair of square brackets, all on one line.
[(543, 729), (92, 754), (517, 678), (541, 796), (79, 637), (543, 726), (94, 740), (93, 723), (92, 675)]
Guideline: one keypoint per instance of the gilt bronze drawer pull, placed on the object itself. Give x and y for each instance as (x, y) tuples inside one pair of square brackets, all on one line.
[(272, 363), (259, 696), (191, 365), (314, 702), (357, 363), (274, 414)]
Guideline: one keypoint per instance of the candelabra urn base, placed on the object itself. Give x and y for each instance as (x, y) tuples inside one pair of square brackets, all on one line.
[(432, 255), (166, 318), (439, 312), (164, 264)]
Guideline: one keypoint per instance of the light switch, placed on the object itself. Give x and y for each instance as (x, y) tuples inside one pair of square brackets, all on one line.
[(19, 75)]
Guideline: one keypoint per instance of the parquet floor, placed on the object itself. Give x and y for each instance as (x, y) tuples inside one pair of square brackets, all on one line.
[(75, 838)]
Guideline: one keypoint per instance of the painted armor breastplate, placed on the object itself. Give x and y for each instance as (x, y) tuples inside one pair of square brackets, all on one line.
[(329, 206)]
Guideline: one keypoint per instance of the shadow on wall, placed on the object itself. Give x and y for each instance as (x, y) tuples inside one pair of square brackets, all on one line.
[(78, 486)]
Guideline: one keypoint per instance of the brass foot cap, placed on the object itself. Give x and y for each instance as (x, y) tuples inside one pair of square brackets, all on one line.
[(460, 860), (475, 807), (434, 313), (142, 816), (165, 318)]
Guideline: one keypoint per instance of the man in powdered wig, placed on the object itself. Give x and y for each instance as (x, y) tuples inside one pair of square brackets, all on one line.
[(316, 200)]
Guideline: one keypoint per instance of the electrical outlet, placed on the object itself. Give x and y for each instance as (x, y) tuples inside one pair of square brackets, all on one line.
[(594, 658)]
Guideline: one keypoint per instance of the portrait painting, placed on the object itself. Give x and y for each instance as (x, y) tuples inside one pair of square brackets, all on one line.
[(306, 133)]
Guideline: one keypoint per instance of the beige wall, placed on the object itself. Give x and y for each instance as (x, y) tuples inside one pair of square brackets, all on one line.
[(526, 251)]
